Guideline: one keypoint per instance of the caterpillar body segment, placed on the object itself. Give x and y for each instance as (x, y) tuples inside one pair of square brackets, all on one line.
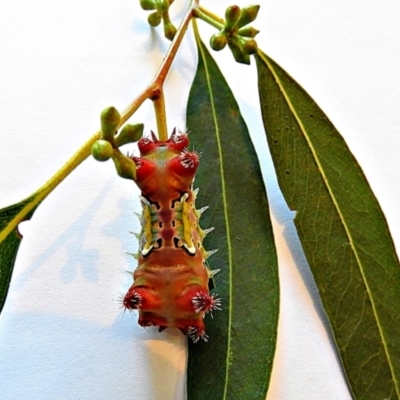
[(170, 287)]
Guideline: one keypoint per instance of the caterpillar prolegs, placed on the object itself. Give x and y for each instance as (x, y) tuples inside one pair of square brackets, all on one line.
[(170, 287)]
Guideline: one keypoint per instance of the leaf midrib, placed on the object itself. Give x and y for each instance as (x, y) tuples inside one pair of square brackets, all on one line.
[(346, 228), (224, 197)]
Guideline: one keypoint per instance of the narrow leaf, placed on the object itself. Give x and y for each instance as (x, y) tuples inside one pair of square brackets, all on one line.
[(343, 232), (237, 360), (10, 240)]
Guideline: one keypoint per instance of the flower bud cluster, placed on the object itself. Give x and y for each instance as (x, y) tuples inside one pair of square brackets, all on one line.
[(110, 140), (160, 13), (235, 33)]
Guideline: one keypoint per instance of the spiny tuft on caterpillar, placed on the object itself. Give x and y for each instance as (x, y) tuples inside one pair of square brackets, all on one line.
[(170, 287)]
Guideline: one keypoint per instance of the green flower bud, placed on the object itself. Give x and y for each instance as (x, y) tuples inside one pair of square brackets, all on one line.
[(162, 5), (218, 41), (236, 44), (248, 14), (147, 4), (109, 118), (102, 150), (250, 46), (240, 57), (248, 31), (169, 30), (125, 167), (129, 134), (232, 15), (154, 18)]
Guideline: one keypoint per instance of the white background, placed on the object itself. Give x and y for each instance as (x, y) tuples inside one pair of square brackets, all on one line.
[(62, 332)]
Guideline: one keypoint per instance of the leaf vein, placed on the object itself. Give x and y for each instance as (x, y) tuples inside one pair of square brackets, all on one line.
[(224, 196), (338, 209)]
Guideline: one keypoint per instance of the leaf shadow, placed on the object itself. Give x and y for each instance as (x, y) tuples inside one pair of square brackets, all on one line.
[(68, 355), (127, 223), (156, 42), (154, 36), (79, 258)]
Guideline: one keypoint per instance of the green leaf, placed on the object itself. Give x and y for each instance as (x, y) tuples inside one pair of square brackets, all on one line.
[(236, 362), (343, 231), (10, 239)]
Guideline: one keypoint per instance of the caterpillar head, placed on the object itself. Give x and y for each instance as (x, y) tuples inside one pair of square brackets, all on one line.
[(176, 143), (165, 166)]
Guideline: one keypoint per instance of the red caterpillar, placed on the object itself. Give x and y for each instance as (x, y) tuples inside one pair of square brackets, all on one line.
[(170, 287)]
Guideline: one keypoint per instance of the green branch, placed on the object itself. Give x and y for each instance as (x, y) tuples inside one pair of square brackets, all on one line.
[(153, 92)]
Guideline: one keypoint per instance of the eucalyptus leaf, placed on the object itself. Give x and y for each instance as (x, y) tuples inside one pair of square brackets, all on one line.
[(343, 232), (10, 239), (236, 362)]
